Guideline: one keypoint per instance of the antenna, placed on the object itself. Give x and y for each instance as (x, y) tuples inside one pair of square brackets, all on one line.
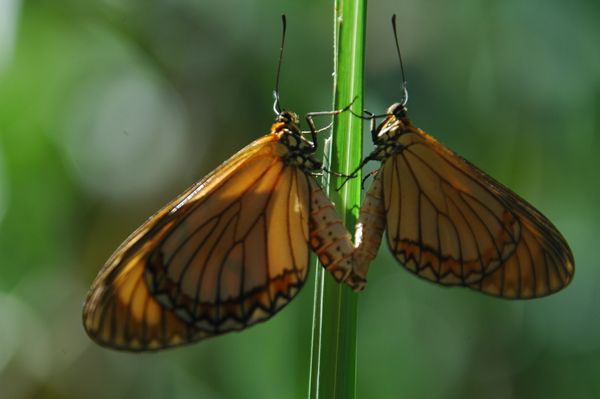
[(276, 105), (404, 89)]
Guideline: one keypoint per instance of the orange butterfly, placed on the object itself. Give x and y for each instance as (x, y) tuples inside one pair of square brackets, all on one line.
[(449, 222), (229, 252)]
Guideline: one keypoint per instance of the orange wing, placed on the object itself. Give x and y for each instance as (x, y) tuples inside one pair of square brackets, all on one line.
[(444, 222), (449, 222), (541, 264), (229, 252)]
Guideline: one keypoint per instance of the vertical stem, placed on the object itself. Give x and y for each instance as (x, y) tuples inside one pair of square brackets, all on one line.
[(333, 357)]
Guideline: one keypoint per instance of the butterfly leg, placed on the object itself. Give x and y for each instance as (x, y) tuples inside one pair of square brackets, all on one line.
[(354, 173), (364, 179), (311, 122)]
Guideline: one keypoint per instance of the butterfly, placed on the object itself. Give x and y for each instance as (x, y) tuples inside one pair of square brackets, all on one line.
[(449, 222), (230, 251)]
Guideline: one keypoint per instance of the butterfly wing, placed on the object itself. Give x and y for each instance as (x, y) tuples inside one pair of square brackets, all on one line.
[(121, 313), (449, 222), (541, 264), (229, 252)]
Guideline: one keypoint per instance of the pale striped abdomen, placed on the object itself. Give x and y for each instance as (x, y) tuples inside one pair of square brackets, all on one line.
[(369, 229), (330, 239)]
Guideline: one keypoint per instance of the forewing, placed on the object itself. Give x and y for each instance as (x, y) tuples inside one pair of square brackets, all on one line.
[(240, 254), (227, 253), (446, 220)]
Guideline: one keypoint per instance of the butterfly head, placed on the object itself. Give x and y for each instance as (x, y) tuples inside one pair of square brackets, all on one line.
[(396, 121), (287, 118), (286, 122), (294, 148)]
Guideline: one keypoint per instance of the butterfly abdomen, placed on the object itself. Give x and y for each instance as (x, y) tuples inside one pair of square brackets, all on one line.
[(329, 239), (369, 228)]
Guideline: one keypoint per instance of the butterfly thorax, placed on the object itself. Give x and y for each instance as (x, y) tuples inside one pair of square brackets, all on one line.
[(293, 148)]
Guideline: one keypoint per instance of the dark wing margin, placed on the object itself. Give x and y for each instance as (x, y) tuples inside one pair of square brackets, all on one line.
[(541, 265)]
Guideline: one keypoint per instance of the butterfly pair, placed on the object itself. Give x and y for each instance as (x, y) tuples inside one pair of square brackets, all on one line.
[(233, 249)]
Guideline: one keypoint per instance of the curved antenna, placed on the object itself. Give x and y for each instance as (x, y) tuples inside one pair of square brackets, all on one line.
[(276, 105), (404, 89)]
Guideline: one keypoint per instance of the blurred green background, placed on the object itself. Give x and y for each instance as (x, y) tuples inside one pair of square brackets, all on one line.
[(108, 109)]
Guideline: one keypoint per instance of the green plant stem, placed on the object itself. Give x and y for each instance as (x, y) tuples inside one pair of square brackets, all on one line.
[(333, 357)]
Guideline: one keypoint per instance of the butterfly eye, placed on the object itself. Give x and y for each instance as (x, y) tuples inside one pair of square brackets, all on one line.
[(285, 117)]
